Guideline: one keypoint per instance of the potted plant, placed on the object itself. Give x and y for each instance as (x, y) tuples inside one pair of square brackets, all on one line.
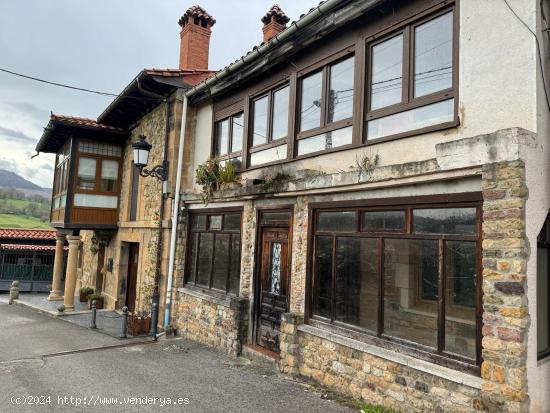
[(98, 299), (139, 323), (84, 293)]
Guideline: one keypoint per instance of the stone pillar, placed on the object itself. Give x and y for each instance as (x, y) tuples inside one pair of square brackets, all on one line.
[(56, 294), (289, 362), (70, 276), (505, 311)]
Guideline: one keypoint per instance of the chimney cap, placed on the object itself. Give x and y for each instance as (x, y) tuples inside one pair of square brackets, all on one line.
[(199, 13), (276, 13)]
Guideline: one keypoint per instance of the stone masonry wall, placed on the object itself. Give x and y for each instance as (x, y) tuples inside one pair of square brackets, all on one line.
[(212, 322), (505, 317)]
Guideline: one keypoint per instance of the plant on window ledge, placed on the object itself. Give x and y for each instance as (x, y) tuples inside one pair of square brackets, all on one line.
[(365, 165), (212, 176), (274, 183)]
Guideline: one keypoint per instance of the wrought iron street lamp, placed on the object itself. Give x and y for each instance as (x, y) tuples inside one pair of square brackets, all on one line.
[(141, 150)]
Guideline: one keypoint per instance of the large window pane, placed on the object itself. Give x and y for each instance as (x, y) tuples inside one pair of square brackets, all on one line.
[(433, 55), (86, 173), (192, 268), (543, 291), (460, 295), (408, 264), (445, 221), (232, 222), (338, 221), (310, 111), (280, 114), (221, 262), (109, 175), (235, 267), (422, 117), (325, 141), (387, 73), (222, 137), (357, 282), (375, 221), (323, 277), (340, 99), (204, 267), (277, 153), (260, 121), (95, 201), (237, 134)]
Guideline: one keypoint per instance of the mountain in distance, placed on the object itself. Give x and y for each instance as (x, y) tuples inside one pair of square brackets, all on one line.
[(10, 179)]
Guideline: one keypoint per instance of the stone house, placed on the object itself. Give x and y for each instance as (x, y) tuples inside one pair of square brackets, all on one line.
[(386, 231)]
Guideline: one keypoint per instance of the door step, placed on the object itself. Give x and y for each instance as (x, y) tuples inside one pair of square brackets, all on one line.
[(261, 355)]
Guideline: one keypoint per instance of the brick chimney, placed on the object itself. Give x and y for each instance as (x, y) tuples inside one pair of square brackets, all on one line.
[(274, 22), (195, 34)]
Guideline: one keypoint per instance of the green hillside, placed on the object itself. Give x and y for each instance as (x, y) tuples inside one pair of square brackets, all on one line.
[(21, 221)]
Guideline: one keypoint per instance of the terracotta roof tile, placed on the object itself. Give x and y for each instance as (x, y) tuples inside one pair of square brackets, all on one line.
[(16, 233), (277, 13), (199, 13), (74, 120), (18, 247)]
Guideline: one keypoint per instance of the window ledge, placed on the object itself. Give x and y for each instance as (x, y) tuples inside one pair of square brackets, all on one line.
[(223, 301), (403, 359)]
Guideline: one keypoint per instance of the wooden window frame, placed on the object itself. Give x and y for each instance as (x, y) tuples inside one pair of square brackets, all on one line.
[(229, 154), (408, 101), (439, 356), (207, 213), (61, 173), (544, 242)]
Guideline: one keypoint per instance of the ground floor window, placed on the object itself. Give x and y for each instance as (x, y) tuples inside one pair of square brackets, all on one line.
[(405, 273), (543, 292), (214, 251)]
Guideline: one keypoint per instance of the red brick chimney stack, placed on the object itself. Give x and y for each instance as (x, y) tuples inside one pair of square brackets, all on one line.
[(195, 34), (274, 22)]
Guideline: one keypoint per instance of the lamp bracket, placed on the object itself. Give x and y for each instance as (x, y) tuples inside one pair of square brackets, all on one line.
[(160, 171)]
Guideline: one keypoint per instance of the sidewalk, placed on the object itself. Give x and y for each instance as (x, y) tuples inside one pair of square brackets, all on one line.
[(107, 321)]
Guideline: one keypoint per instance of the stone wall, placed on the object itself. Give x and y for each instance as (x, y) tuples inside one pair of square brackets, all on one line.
[(216, 322), (506, 316)]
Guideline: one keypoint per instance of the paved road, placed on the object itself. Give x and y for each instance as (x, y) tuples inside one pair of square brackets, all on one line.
[(171, 369)]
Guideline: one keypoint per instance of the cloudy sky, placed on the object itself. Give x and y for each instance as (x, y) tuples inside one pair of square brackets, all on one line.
[(100, 45)]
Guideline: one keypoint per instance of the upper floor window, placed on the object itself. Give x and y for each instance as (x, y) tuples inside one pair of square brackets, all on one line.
[(228, 142), (326, 107), (269, 120), (411, 78)]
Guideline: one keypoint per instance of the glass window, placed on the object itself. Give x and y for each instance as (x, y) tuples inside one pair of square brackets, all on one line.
[(387, 73), (422, 117), (214, 253), (329, 140), (340, 99), (280, 113), (99, 148), (433, 55), (543, 292), (95, 201), (278, 153), (86, 173), (109, 175), (237, 133), (222, 137), (380, 221), (310, 112), (349, 263), (260, 121), (445, 221), (337, 221), (276, 217), (408, 263)]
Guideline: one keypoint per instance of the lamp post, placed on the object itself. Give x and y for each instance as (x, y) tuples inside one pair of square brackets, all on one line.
[(141, 149)]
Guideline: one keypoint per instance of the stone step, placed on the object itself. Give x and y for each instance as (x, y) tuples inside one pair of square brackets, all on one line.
[(261, 356)]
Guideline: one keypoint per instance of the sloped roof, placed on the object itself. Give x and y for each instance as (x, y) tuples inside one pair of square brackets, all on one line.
[(78, 121), (25, 247), (34, 234)]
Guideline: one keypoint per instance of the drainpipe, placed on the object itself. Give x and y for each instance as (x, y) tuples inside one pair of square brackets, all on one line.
[(175, 214)]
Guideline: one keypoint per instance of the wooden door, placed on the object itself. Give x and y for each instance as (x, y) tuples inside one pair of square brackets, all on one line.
[(131, 281), (273, 286)]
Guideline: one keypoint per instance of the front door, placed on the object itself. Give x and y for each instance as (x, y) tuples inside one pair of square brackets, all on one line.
[(131, 281), (273, 286)]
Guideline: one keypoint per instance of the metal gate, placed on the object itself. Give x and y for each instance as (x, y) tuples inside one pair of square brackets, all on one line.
[(32, 268)]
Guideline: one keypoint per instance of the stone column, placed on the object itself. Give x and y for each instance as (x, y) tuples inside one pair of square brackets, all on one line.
[(289, 362), (70, 276), (56, 294)]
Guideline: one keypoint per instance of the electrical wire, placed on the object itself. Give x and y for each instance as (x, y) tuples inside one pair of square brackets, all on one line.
[(538, 51), (80, 89)]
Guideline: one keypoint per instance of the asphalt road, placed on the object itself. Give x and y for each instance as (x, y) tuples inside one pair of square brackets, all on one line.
[(183, 376)]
